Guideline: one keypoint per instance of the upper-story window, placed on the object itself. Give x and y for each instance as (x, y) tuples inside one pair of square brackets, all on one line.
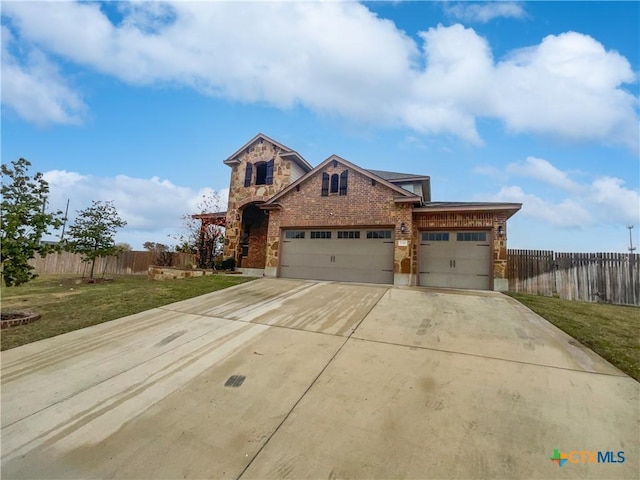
[(334, 183), (343, 182), (263, 173)]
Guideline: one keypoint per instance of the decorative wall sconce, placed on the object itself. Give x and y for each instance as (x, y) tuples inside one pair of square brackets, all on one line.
[(403, 228), (500, 230)]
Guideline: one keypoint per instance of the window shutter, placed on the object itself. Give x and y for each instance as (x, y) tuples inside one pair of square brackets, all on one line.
[(343, 182), (247, 174), (325, 185), (269, 179)]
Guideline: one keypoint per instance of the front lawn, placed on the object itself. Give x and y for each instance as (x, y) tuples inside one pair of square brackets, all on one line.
[(66, 305), (612, 331)]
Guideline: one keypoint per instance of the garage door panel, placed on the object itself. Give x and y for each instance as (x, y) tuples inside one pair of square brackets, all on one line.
[(474, 282), (308, 273), (470, 266), (371, 261), (356, 259), (435, 258), (308, 259), (434, 279), (307, 246), (455, 260), (367, 276)]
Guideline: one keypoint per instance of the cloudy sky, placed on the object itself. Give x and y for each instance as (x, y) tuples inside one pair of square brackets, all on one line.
[(141, 102)]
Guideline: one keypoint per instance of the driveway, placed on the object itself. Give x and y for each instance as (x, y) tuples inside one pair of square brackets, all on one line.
[(340, 381)]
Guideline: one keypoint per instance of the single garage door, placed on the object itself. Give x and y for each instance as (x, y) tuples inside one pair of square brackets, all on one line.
[(346, 255), (455, 259)]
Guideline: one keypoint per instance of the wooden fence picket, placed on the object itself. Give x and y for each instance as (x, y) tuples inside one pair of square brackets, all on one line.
[(127, 263), (590, 277)]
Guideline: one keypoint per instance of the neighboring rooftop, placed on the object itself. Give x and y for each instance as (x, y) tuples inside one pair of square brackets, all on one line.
[(508, 207), (395, 176), (468, 204)]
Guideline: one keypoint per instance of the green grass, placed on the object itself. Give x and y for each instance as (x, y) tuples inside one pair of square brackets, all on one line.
[(612, 331), (66, 305)]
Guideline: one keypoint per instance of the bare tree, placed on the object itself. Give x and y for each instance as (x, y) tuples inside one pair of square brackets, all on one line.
[(198, 237)]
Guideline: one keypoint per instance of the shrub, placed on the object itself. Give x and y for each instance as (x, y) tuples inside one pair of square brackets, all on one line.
[(228, 263)]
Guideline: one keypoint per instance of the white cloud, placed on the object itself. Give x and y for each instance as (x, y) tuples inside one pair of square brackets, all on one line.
[(604, 201), (339, 58), (567, 213), (611, 199), (35, 90), (485, 12), (541, 169), (153, 208), (568, 87)]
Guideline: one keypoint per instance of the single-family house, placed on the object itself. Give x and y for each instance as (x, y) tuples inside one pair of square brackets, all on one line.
[(340, 221)]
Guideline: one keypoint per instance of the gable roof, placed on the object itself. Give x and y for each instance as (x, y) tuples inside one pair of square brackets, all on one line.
[(286, 152), (397, 176), (403, 195)]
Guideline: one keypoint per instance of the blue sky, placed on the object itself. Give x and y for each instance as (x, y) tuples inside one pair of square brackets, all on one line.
[(139, 103)]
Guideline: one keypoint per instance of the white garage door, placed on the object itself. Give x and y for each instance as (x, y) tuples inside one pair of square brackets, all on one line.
[(346, 255), (455, 259)]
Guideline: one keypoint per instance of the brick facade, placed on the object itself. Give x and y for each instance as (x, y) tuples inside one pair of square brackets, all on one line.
[(369, 202), (364, 205)]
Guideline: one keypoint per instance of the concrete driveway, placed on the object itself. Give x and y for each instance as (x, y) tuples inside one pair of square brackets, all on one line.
[(340, 381)]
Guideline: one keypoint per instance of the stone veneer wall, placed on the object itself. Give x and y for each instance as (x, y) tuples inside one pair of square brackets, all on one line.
[(364, 205), (484, 220), (170, 273), (240, 196)]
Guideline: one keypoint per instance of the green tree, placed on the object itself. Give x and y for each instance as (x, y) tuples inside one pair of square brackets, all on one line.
[(23, 221), (92, 233)]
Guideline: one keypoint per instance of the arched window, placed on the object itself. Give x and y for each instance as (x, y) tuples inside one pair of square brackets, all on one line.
[(343, 182), (325, 185)]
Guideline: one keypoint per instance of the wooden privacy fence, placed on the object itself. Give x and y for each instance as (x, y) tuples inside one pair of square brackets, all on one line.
[(590, 277), (126, 263)]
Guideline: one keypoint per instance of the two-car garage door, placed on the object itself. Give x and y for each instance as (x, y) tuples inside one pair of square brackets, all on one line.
[(456, 259), (348, 255)]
